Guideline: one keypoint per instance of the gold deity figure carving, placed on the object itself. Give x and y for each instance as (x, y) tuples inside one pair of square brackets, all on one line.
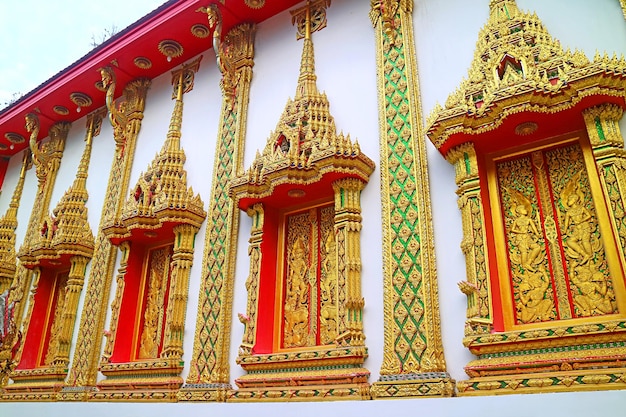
[(328, 293), (524, 231), (533, 304), (55, 330), (223, 55), (577, 222), (297, 297), (155, 308), (594, 297)]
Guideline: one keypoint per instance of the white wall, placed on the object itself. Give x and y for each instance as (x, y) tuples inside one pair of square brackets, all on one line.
[(446, 32)]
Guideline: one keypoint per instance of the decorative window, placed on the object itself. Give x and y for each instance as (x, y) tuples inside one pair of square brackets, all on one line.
[(144, 304), (58, 254), (304, 306), (539, 168), (155, 233)]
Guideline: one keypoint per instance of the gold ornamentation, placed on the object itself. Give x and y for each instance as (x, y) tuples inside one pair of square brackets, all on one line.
[(64, 233), (8, 225), (47, 159), (8, 266), (313, 302), (209, 373), (170, 48), (160, 197), (81, 100), (158, 279), (386, 11), (526, 128), (519, 67), (224, 54), (413, 346), (553, 243), (14, 137), (200, 31), (62, 110), (142, 62), (477, 287), (255, 4), (310, 18), (83, 373)]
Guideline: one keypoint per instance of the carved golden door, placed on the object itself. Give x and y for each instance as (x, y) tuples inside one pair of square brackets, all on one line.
[(308, 305), (155, 287), (43, 330), (555, 251)]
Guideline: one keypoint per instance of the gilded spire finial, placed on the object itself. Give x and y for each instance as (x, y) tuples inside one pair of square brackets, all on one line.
[(306, 129), (308, 19), (8, 224), (164, 184), (501, 10)]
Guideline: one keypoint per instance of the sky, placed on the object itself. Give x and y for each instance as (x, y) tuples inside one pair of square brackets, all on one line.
[(39, 38)]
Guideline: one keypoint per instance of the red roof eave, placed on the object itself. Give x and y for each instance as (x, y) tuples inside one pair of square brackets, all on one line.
[(172, 20)]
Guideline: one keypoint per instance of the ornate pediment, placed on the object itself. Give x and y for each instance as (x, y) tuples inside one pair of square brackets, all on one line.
[(518, 67), (161, 195), (66, 231), (305, 145)]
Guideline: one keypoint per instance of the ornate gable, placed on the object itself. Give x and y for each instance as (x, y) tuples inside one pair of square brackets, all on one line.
[(518, 67), (161, 196)]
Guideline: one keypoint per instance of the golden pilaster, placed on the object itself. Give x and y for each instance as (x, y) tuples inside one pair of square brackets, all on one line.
[(182, 259), (607, 143), (413, 363), (74, 286), (117, 301), (476, 287), (209, 376), (252, 282), (348, 231), (126, 125)]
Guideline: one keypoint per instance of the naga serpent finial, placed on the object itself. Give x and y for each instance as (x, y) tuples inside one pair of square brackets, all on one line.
[(224, 60), (116, 115)]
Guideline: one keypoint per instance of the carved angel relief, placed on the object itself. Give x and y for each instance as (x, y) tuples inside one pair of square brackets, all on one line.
[(554, 249)]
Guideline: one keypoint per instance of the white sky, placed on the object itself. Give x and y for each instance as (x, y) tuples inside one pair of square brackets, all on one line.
[(38, 38)]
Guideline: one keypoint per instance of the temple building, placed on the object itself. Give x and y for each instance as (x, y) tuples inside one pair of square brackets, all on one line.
[(308, 207)]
